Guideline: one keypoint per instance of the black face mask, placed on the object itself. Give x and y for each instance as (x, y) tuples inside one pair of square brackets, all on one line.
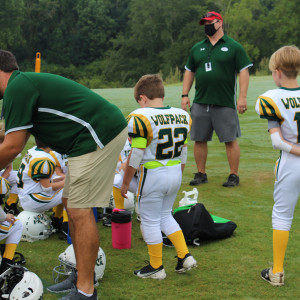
[(210, 29)]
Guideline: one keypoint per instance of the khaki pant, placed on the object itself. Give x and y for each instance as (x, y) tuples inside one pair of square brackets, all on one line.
[(90, 176)]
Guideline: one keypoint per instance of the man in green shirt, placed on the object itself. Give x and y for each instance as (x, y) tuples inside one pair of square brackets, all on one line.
[(214, 63), (72, 120)]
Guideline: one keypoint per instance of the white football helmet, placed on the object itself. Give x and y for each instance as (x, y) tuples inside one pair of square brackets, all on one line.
[(36, 226), (129, 202), (68, 263), (19, 283)]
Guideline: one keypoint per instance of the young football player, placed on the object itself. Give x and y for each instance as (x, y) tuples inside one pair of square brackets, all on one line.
[(37, 192), (158, 134), (118, 180), (11, 202), (281, 107), (10, 229), (60, 217)]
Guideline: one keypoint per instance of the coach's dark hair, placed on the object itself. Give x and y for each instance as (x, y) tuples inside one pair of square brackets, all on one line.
[(8, 62), (150, 85)]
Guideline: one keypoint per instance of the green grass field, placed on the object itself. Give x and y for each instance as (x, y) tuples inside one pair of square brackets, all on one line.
[(227, 269)]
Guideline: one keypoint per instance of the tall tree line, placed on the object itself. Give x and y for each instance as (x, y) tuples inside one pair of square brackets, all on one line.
[(113, 42)]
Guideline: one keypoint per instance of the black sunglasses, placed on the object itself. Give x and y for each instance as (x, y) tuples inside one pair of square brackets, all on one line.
[(208, 15)]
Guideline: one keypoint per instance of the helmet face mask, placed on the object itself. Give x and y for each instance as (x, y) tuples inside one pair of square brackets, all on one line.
[(68, 264)]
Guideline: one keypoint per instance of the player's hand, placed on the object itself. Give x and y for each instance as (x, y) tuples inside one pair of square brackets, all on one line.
[(185, 101), (124, 190), (10, 218), (242, 105)]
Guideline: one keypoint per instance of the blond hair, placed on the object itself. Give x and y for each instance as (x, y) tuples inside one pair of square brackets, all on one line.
[(286, 59), (151, 85)]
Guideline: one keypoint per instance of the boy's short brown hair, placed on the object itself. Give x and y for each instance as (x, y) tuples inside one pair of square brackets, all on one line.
[(150, 85), (8, 62), (286, 59)]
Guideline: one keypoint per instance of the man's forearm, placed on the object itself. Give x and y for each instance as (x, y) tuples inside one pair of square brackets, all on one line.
[(12, 145), (187, 82), (244, 83)]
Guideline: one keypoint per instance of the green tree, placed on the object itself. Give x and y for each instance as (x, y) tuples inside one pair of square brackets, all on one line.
[(284, 24), (244, 23), (11, 20), (153, 39)]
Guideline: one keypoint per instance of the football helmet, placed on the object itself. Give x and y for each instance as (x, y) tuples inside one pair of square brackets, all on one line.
[(36, 226), (68, 263), (19, 283), (129, 202)]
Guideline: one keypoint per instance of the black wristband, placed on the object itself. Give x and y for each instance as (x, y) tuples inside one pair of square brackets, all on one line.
[(184, 95)]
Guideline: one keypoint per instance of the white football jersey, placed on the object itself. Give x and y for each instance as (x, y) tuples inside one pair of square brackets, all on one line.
[(282, 105), (165, 130), (35, 165), (125, 151), (4, 186), (60, 160)]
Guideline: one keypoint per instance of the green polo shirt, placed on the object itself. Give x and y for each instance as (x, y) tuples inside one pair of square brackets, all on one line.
[(218, 85), (68, 117)]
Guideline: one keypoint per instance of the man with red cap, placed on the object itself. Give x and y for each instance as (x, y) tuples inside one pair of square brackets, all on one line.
[(214, 64)]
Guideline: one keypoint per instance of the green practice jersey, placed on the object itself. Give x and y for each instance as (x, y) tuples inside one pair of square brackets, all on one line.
[(216, 69), (68, 117)]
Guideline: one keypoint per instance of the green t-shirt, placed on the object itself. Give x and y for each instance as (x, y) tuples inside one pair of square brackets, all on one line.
[(68, 117), (216, 81)]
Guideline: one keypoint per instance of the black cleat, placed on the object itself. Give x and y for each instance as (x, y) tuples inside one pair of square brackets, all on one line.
[(233, 180), (199, 178)]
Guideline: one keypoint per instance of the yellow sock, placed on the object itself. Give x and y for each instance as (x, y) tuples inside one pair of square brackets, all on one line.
[(177, 239), (155, 253), (58, 211), (119, 200), (13, 198), (65, 216), (9, 251), (280, 241)]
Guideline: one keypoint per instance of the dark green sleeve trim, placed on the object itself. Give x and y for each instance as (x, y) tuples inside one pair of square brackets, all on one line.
[(272, 118)]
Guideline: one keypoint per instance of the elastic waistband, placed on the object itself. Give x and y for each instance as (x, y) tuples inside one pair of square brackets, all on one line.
[(157, 164)]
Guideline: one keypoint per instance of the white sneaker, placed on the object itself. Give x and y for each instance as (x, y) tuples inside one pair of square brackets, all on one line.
[(185, 264), (276, 279), (150, 272)]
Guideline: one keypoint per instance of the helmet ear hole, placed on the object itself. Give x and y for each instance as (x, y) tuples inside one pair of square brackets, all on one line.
[(36, 226), (68, 263)]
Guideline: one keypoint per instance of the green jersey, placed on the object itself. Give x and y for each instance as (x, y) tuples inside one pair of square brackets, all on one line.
[(68, 117), (216, 69)]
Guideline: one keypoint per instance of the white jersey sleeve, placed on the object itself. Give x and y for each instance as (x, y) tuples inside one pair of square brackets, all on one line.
[(165, 130), (125, 151), (60, 160), (282, 105)]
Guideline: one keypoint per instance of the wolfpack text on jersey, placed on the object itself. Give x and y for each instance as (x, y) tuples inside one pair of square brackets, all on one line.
[(163, 132), (282, 105)]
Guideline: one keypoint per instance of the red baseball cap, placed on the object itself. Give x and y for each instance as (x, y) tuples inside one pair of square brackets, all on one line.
[(210, 16)]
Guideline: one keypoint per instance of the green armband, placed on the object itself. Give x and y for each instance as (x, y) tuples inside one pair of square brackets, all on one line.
[(139, 142)]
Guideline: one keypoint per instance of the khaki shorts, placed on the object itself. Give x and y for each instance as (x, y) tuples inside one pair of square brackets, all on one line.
[(90, 176)]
